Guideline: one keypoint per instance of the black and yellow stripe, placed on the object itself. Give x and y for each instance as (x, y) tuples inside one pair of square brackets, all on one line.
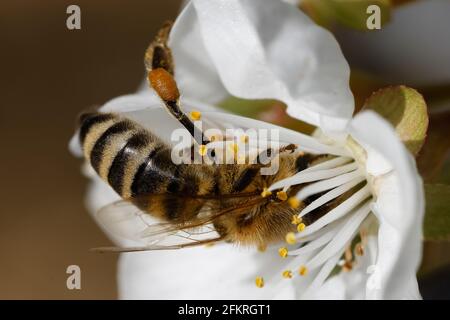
[(138, 165)]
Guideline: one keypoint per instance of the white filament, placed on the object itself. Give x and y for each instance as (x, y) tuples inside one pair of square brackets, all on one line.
[(309, 176)]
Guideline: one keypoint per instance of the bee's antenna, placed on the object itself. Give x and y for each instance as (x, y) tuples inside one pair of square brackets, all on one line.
[(159, 64)]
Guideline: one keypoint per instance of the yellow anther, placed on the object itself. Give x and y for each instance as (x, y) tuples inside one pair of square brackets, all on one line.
[(290, 238), (259, 281), (282, 195), (296, 219), (202, 150), (234, 147), (287, 274), (244, 138), (303, 271), (195, 115), (283, 252), (265, 193), (294, 202), (262, 247), (359, 249), (301, 227)]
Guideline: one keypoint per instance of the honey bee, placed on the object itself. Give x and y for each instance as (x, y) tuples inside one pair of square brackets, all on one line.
[(227, 202)]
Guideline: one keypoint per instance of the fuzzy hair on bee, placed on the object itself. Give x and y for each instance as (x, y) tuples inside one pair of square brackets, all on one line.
[(230, 200)]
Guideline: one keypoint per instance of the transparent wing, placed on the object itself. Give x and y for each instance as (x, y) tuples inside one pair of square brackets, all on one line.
[(125, 220)]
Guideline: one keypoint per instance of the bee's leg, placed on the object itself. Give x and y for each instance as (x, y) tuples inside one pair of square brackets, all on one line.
[(158, 54), (159, 63)]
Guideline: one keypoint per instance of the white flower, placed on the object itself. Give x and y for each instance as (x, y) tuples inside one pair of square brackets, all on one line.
[(268, 49)]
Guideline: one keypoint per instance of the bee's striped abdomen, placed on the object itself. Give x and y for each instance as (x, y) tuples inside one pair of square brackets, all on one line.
[(117, 148), (138, 166)]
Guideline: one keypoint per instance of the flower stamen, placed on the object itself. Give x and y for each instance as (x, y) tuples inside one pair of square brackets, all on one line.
[(290, 238), (287, 274), (303, 271), (294, 202), (259, 281), (266, 193), (301, 227), (283, 252), (296, 219), (202, 150), (195, 115), (282, 195)]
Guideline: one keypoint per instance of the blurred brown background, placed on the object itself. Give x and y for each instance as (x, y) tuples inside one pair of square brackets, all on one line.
[(49, 75)]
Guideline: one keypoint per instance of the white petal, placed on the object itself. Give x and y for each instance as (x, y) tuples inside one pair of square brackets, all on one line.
[(305, 142), (195, 72), (266, 49), (197, 273), (399, 208), (342, 238), (312, 291)]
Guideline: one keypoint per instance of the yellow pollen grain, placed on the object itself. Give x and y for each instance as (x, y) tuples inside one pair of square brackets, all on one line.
[(244, 138), (303, 271), (287, 274), (259, 281), (290, 238), (283, 252), (301, 227), (202, 150), (294, 202), (234, 147), (195, 115), (265, 193), (282, 195), (296, 219)]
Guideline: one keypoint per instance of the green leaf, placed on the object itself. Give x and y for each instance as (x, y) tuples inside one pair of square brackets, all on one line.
[(437, 214), (350, 13), (406, 110)]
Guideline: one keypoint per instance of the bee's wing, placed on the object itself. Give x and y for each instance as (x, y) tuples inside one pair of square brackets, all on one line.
[(124, 220)]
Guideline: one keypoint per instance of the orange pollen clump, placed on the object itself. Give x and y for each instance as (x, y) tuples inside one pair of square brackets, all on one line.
[(164, 84)]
